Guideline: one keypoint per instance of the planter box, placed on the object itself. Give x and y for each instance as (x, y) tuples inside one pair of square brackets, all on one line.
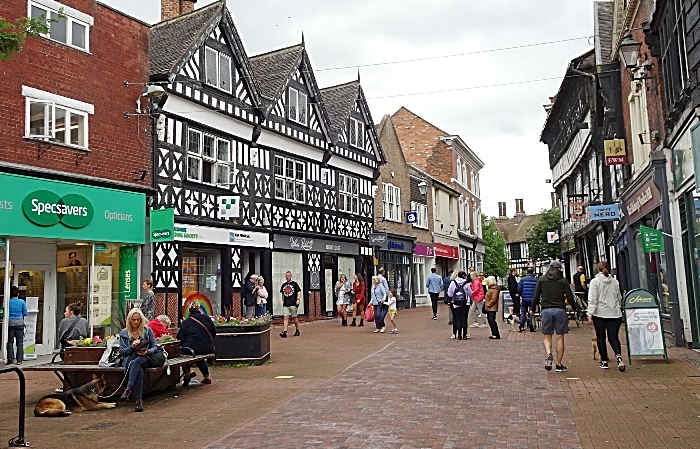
[(243, 344), (74, 355), (172, 348)]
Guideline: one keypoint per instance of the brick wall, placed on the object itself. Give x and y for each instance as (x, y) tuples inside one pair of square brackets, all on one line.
[(417, 137), (314, 312), (236, 306), (119, 52)]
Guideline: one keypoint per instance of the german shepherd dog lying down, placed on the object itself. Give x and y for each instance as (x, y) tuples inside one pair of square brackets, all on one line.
[(79, 399)]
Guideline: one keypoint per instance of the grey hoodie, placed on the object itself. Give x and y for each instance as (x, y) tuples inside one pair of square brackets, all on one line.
[(604, 297)]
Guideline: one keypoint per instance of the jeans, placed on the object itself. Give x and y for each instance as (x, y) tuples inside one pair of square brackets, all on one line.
[(434, 297), (202, 364), (459, 323), (492, 324), (15, 334), (476, 310), (261, 309), (380, 312), (137, 370), (612, 327), (524, 309)]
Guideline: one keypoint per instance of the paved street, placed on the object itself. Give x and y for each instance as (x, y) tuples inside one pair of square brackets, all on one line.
[(353, 388)]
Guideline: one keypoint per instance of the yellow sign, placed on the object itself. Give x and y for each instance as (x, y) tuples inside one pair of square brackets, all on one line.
[(615, 153)]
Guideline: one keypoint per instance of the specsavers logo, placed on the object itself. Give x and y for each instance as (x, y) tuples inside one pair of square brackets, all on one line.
[(45, 208)]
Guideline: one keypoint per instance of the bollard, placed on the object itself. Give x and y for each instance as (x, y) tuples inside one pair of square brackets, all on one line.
[(18, 441)]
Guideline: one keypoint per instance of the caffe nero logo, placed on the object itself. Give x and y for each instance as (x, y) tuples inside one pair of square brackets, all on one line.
[(45, 208)]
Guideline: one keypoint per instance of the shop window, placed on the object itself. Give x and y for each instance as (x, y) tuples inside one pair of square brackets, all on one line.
[(72, 30), (201, 279), (290, 179), (348, 194), (419, 288), (208, 158), (281, 263)]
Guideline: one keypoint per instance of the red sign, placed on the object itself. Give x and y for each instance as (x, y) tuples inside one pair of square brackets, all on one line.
[(615, 153), (615, 160), (450, 252)]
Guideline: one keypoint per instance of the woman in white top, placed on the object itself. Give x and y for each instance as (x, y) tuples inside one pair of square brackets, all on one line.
[(261, 297), (342, 289), (605, 313)]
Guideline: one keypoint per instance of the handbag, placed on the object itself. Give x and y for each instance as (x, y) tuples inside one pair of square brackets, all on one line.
[(157, 358), (369, 314), (483, 307)]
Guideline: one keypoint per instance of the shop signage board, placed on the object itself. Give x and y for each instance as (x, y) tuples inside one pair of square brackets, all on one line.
[(34, 207), (604, 212), (615, 153), (229, 206), (424, 250), (645, 333), (100, 248), (377, 239), (652, 240), (645, 198), (128, 276), (411, 217), (447, 251), (162, 225), (552, 236), (282, 241), (221, 236)]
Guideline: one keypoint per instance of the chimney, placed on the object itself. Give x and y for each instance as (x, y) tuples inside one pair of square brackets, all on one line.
[(519, 207), (175, 8), (502, 210)]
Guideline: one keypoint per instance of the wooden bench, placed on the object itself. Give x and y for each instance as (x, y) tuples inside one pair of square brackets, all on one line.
[(156, 379)]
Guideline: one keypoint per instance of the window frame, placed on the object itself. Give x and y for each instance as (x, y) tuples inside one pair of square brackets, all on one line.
[(345, 191), (213, 159), (50, 122), (296, 118), (419, 288), (217, 70), (422, 211), (358, 128), (72, 16), (393, 207), (292, 185)]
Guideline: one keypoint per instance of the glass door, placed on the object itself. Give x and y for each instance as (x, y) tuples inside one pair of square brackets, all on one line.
[(32, 283)]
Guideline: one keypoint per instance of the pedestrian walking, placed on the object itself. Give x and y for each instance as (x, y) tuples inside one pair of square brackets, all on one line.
[(580, 287), (551, 291), (261, 295), (526, 289), (291, 298), (512, 283), (491, 305), (434, 284), (358, 289), (148, 304), (478, 296), (460, 294), (392, 310), (249, 295), (446, 286), (378, 300), (15, 336), (382, 279), (604, 312), (342, 291)]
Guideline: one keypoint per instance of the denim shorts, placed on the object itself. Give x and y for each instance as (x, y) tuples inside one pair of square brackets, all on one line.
[(555, 321)]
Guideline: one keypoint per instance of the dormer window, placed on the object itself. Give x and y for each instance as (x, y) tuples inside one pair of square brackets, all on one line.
[(72, 30), (218, 69), (357, 133), (298, 106)]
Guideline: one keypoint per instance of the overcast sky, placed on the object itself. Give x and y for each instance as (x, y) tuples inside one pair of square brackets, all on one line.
[(501, 124)]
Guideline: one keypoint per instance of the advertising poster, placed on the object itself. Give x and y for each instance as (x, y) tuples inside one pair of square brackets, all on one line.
[(189, 275), (30, 324), (644, 332), (102, 296), (128, 275), (507, 305)]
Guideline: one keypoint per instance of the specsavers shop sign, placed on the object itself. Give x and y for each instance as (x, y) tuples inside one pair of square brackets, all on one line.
[(32, 207)]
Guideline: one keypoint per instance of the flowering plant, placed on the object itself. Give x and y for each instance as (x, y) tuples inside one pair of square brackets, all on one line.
[(88, 342), (166, 338), (242, 321)]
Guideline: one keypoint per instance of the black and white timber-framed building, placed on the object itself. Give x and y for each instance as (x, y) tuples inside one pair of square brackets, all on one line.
[(266, 172)]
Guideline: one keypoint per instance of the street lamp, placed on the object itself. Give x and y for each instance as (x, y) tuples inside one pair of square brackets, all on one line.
[(422, 188), (629, 51)]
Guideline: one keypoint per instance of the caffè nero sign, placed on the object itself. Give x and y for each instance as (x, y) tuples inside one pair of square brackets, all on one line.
[(315, 245)]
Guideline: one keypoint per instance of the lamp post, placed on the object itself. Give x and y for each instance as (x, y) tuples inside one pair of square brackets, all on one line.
[(422, 188), (629, 50)]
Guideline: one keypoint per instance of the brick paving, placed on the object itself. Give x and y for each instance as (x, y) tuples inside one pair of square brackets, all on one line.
[(353, 388)]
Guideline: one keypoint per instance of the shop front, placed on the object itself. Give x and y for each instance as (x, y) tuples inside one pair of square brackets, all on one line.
[(62, 242), (423, 261), (316, 264), (395, 254), (446, 258), (214, 262)]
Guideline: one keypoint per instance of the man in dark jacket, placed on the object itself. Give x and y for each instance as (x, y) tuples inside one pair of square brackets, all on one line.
[(526, 289), (196, 337), (249, 299), (552, 291), (514, 295)]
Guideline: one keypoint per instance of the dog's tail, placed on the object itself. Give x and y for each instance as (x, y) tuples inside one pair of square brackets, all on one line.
[(51, 407)]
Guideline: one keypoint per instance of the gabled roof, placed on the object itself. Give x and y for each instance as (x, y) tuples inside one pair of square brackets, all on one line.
[(272, 70), (172, 39), (603, 25), (515, 229), (339, 101)]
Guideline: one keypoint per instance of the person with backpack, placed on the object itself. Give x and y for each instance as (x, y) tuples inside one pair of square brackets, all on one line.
[(460, 294), (478, 296), (526, 289), (445, 287)]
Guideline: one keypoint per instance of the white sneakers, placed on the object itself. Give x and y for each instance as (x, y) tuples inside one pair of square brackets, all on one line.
[(474, 325)]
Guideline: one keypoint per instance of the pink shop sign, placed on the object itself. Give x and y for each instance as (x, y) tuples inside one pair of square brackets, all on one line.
[(423, 250)]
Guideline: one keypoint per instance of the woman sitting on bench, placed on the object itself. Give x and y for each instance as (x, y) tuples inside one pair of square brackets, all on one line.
[(196, 337), (136, 343)]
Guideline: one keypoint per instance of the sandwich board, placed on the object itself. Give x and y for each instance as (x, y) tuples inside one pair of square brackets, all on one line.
[(645, 332)]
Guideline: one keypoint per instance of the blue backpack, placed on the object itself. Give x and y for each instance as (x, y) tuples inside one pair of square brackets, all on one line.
[(459, 298)]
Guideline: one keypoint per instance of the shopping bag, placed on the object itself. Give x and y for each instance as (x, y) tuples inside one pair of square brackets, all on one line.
[(369, 314)]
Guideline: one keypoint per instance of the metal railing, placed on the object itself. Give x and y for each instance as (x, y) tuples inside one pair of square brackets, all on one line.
[(18, 441)]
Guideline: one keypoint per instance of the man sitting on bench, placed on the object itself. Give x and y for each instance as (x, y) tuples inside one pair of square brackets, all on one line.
[(197, 337)]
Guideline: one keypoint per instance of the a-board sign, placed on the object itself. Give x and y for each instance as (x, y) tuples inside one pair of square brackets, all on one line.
[(645, 334), (507, 304)]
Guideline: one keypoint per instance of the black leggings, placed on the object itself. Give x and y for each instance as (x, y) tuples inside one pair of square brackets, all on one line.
[(459, 321), (612, 326)]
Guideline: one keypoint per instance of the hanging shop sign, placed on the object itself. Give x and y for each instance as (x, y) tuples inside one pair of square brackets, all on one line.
[(447, 251), (411, 217), (615, 153), (645, 333), (424, 250), (577, 209), (645, 198), (282, 241), (604, 212), (377, 239), (33, 207), (220, 236), (162, 225), (652, 240), (552, 236)]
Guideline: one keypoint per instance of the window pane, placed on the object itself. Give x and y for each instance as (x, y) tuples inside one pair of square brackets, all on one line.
[(353, 137), (360, 135), (289, 188), (78, 35), (193, 142), (299, 192), (222, 153), (59, 29), (302, 108), (341, 183), (354, 186), (225, 72), (289, 172), (39, 119), (300, 171), (222, 174), (37, 12), (354, 206), (292, 104), (279, 166), (279, 188), (60, 127), (193, 165), (210, 57), (77, 129), (208, 146), (207, 169)]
